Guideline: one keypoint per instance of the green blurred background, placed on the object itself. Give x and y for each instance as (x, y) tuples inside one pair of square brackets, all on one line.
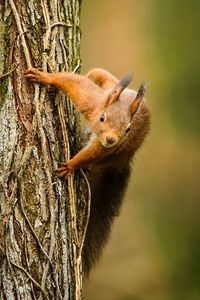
[(154, 249)]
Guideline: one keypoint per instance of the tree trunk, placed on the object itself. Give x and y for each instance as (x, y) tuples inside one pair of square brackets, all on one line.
[(43, 219)]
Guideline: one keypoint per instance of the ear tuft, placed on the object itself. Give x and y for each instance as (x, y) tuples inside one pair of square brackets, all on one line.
[(117, 90), (124, 82), (142, 90), (136, 102)]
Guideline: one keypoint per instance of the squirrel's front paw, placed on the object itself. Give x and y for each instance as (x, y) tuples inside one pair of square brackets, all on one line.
[(63, 169), (37, 76), (33, 74)]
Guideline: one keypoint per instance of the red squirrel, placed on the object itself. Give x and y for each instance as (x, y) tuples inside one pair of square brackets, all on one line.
[(119, 120)]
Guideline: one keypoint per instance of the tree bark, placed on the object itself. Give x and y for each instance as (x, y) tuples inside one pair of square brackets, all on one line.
[(43, 219)]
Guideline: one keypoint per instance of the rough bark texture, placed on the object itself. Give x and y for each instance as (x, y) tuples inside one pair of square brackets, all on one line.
[(43, 219)]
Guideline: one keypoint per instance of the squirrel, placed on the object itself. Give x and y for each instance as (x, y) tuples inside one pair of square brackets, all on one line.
[(119, 120)]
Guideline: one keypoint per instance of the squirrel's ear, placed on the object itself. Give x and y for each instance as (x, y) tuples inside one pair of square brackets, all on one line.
[(136, 102), (117, 90)]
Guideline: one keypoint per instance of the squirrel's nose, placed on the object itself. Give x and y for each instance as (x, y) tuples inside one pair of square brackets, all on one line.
[(110, 140)]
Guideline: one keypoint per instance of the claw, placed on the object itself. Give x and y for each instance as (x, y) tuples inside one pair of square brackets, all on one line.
[(63, 170), (31, 71), (38, 76), (32, 74), (63, 173)]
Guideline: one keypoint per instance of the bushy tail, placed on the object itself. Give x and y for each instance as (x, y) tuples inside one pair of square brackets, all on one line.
[(107, 190)]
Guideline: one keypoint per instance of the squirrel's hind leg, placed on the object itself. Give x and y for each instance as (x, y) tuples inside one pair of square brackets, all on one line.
[(102, 78)]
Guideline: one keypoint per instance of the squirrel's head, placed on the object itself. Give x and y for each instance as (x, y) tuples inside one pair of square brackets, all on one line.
[(113, 121)]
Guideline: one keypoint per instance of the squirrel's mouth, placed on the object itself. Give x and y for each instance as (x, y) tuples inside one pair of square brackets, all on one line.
[(109, 144)]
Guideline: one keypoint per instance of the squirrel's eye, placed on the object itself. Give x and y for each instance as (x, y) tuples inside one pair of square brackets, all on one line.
[(102, 118), (128, 128)]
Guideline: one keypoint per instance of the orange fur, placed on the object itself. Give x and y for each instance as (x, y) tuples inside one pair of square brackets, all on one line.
[(94, 94)]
